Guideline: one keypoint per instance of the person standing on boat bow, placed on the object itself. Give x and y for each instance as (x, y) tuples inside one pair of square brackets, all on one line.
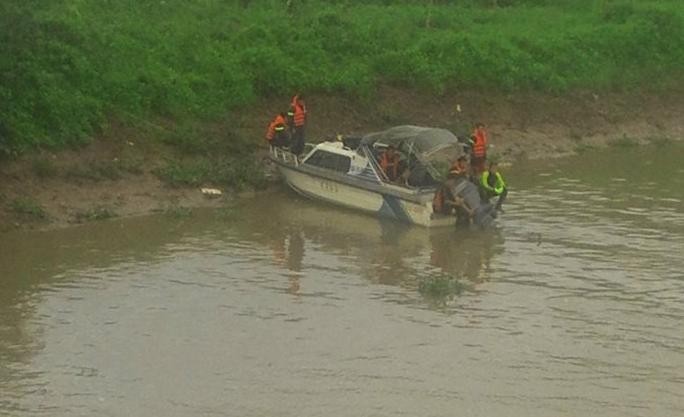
[(277, 134), (479, 149), (297, 119)]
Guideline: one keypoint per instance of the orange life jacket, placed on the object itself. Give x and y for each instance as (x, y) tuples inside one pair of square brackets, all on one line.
[(277, 125), (298, 110), (390, 164), (480, 142)]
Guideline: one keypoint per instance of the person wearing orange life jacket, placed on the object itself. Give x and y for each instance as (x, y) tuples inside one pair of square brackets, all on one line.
[(446, 199), (297, 118), (277, 134), (389, 163), (460, 166), (479, 149)]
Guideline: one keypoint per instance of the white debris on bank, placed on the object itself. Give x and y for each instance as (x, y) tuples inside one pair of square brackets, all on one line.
[(211, 192)]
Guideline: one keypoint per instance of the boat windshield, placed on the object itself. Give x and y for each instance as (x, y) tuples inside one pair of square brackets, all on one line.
[(431, 149)]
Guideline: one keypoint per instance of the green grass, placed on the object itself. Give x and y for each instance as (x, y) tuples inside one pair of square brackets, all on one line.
[(94, 214), (237, 173), (67, 66), (44, 168), (624, 142), (95, 171), (185, 173), (132, 165), (582, 148), (208, 156), (29, 208), (660, 141)]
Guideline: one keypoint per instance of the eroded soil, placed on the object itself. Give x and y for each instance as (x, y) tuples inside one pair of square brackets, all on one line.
[(115, 175)]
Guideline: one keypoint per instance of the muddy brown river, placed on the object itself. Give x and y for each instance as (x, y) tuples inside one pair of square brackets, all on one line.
[(280, 306)]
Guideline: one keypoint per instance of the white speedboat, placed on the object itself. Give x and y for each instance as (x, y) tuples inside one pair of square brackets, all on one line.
[(347, 173)]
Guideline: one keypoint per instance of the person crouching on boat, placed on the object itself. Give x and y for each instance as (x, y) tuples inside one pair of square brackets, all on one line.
[(460, 167), (447, 201), (389, 163), (492, 185), (277, 133)]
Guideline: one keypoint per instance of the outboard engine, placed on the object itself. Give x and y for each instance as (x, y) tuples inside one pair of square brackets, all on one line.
[(485, 213)]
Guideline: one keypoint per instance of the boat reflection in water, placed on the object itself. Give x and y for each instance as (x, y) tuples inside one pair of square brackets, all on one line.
[(297, 230), (292, 234)]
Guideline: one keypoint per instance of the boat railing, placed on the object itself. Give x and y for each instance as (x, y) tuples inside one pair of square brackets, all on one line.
[(284, 155)]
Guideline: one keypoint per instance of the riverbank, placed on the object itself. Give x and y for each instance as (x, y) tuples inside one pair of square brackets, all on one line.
[(127, 171)]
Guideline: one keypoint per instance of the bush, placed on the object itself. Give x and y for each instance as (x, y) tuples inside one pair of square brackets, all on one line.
[(29, 208), (617, 12), (237, 173), (66, 66), (178, 173)]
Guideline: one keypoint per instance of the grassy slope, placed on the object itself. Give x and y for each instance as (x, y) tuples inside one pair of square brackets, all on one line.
[(66, 66)]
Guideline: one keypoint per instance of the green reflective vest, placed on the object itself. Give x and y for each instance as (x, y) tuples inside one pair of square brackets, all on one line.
[(499, 185)]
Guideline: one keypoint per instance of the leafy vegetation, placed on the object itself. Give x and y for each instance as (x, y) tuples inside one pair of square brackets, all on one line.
[(94, 214), (624, 142), (440, 286), (582, 148), (29, 208), (237, 173), (67, 66), (95, 171), (44, 168), (660, 141), (208, 158)]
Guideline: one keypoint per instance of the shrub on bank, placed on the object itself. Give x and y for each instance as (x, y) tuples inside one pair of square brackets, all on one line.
[(66, 66), (225, 171)]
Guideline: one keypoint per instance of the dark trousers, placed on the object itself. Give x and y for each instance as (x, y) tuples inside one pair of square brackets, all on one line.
[(477, 164), (501, 199), (281, 139), (298, 140)]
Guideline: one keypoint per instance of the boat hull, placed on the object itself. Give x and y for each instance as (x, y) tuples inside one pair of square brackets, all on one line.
[(388, 204)]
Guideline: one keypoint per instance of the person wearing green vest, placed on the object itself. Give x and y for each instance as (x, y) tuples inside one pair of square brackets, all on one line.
[(492, 185)]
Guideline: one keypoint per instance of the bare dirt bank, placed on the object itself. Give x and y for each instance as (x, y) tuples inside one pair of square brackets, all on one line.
[(114, 176), (521, 125)]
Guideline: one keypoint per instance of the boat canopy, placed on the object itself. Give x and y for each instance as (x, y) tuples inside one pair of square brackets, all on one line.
[(420, 141), (427, 152)]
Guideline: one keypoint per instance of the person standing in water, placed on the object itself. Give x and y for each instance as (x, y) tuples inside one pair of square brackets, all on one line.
[(493, 185)]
